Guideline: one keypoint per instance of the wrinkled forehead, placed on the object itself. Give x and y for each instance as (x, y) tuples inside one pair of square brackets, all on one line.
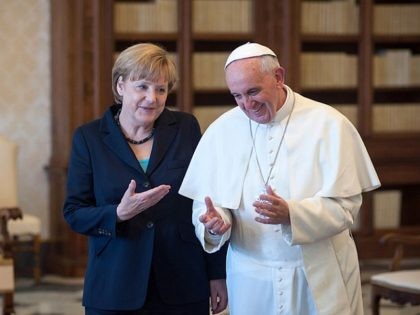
[(244, 69), (242, 82)]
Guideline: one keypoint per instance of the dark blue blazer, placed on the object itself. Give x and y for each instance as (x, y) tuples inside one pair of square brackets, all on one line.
[(160, 240)]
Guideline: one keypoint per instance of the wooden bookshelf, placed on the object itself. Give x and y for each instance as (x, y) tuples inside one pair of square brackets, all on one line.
[(200, 41), (398, 100), (85, 40), (386, 104)]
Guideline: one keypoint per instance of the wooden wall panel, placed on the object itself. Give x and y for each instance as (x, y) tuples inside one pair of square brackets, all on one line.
[(81, 90)]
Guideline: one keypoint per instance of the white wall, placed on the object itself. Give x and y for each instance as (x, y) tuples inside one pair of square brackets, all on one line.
[(25, 103)]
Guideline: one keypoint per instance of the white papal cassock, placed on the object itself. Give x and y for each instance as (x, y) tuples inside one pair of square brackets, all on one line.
[(307, 267)]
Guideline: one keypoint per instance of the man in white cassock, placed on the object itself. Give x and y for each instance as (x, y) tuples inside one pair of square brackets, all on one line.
[(280, 176)]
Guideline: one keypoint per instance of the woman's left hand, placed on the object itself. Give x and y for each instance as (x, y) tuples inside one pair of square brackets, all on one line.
[(133, 203)]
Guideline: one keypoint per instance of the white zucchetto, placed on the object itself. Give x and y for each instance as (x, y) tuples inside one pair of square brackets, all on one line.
[(248, 50)]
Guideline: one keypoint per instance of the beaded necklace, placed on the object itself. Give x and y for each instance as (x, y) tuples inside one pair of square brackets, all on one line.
[(117, 120)]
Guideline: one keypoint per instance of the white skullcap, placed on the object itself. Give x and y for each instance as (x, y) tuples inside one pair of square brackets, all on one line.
[(248, 50)]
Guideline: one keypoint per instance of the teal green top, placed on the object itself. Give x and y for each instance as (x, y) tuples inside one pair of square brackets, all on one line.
[(144, 163)]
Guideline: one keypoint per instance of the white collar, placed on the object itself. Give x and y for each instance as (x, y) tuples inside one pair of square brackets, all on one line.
[(286, 108)]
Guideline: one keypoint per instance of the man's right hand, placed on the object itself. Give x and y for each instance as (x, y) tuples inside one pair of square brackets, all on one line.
[(212, 220)]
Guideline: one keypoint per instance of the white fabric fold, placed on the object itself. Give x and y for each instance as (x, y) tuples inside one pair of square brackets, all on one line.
[(342, 168)]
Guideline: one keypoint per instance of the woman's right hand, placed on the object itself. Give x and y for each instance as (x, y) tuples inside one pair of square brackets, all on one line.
[(133, 203)]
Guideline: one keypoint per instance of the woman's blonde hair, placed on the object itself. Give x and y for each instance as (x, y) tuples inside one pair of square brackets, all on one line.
[(143, 61)]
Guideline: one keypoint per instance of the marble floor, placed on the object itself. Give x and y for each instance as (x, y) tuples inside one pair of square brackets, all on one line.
[(59, 296)]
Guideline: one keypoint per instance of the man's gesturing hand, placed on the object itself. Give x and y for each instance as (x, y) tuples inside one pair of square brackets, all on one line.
[(212, 220), (272, 208)]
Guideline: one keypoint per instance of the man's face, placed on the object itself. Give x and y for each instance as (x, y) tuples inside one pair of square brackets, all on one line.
[(260, 95)]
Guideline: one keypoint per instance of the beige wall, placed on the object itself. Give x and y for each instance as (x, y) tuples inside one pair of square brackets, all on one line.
[(25, 97)]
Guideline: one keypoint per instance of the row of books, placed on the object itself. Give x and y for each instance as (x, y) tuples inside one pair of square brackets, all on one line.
[(324, 70), (224, 16), (387, 209), (392, 68), (396, 67), (233, 16), (161, 16), (401, 117), (208, 70), (342, 17), (330, 17), (318, 17), (156, 16), (398, 19)]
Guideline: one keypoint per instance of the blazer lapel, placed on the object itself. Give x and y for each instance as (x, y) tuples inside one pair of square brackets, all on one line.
[(113, 138), (166, 129)]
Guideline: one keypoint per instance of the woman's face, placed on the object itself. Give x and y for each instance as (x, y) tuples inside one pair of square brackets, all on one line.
[(142, 100)]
